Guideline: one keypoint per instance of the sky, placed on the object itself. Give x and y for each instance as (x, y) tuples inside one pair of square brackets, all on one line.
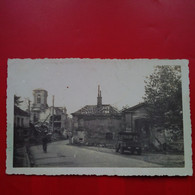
[(74, 82)]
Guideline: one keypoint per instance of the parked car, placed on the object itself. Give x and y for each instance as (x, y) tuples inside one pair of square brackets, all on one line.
[(128, 141)]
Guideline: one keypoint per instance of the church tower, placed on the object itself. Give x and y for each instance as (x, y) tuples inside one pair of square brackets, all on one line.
[(39, 103), (99, 98), (40, 99)]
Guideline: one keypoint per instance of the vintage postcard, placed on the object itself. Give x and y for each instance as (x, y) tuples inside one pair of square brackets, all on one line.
[(98, 117)]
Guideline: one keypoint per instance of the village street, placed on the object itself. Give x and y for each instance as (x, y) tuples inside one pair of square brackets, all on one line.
[(60, 154)]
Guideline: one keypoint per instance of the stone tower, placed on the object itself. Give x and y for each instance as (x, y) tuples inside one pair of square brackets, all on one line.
[(39, 103), (40, 99)]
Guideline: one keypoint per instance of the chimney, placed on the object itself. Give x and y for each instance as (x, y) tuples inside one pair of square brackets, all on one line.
[(99, 98)]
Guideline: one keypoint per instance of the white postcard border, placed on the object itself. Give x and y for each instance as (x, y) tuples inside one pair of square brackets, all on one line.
[(184, 171)]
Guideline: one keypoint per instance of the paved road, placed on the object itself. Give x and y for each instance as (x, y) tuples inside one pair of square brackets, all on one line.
[(62, 155)]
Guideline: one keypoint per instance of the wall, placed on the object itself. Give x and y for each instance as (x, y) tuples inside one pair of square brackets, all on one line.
[(26, 121), (44, 115), (130, 117), (98, 127)]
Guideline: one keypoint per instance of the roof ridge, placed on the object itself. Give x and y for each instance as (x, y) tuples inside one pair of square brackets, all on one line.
[(94, 109)]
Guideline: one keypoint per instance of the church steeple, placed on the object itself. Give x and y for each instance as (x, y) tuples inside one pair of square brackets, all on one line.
[(99, 98)]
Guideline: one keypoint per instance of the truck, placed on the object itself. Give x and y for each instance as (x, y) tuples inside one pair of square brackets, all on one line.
[(128, 141)]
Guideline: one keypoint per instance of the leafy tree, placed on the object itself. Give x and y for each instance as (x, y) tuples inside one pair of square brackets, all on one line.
[(163, 97), (17, 100)]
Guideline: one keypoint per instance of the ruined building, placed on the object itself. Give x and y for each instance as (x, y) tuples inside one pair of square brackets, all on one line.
[(96, 123), (42, 113), (136, 119)]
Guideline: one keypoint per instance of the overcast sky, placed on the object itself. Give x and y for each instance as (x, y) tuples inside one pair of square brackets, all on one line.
[(74, 82)]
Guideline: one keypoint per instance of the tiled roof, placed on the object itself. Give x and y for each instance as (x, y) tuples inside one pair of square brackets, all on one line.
[(18, 111), (94, 109)]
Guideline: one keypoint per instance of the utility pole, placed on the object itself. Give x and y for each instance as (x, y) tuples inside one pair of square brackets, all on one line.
[(53, 113), (27, 100), (29, 107)]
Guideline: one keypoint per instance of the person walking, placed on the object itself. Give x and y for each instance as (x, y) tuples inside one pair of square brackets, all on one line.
[(44, 142)]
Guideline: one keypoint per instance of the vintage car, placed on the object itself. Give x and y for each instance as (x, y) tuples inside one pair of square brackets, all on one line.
[(128, 141)]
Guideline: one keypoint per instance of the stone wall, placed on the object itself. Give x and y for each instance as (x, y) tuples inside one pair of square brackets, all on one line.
[(97, 128)]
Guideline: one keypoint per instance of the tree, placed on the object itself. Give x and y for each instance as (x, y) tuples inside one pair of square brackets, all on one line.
[(163, 97), (17, 100)]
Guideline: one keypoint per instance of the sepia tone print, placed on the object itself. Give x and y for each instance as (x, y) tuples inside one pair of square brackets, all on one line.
[(81, 113)]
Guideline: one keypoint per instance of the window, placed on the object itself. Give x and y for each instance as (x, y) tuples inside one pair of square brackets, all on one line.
[(18, 122), (22, 122), (81, 123), (38, 99), (109, 136)]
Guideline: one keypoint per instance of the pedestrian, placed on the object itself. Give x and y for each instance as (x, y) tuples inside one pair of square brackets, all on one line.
[(44, 142)]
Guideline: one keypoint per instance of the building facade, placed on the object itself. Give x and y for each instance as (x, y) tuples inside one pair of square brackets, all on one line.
[(96, 123), (21, 125), (39, 104), (136, 119), (54, 117), (21, 118)]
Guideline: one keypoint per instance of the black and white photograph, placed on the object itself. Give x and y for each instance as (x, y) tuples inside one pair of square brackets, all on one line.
[(98, 117)]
